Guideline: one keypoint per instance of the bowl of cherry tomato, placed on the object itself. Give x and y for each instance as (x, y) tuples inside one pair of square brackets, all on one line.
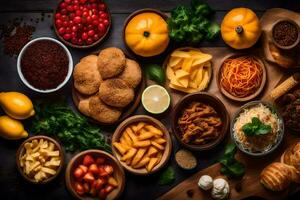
[(81, 23)]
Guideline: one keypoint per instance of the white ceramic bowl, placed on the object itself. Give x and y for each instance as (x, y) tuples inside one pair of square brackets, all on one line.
[(70, 67)]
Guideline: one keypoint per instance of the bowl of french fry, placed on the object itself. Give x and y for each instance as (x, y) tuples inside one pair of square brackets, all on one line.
[(142, 144), (40, 159)]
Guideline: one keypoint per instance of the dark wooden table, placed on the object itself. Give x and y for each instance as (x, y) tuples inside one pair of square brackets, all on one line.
[(12, 186)]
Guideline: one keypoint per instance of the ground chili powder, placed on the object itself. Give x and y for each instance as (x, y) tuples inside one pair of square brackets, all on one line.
[(44, 64), (285, 33)]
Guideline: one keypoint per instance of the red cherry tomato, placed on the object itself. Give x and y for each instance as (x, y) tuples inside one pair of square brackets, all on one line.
[(64, 11), (57, 16), (64, 17), (70, 8), (104, 16), (77, 19), (102, 6), (58, 23), (76, 7), (85, 14), (67, 36), (89, 19), (63, 5), (91, 33), (84, 36), (106, 22), (68, 1), (78, 13), (89, 41), (95, 22), (65, 23), (82, 1), (71, 23), (68, 30), (74, 28), (101, 27), (94, 17), (61, 30), (96, 37)]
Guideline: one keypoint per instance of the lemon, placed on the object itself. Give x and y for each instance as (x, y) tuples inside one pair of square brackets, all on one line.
[(155, 99)]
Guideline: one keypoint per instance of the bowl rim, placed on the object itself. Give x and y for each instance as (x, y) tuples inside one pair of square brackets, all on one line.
[(247, 98), (167, 152), (95, 151), (225, 115), (298, 31), (84, 46), (159, 86), (241, 110), (70, 65), (186, 48), (133, 14), (21, 149)]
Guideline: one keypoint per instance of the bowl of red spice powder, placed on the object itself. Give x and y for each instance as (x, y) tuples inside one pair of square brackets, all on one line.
[(45, 65)]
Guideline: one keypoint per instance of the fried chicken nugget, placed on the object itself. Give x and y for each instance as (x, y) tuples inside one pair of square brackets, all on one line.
[(86, 76), (111, 62), (115, 92), (102, 112), (132, 73), (84, 107)]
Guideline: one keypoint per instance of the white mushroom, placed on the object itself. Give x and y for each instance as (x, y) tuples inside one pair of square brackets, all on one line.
[(205, 182), (220, 189)]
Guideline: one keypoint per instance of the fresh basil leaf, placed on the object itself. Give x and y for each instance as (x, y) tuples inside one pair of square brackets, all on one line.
[(167, 176), (264, 129)]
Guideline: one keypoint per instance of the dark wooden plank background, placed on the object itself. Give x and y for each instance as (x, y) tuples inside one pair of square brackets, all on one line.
[(12, 186)]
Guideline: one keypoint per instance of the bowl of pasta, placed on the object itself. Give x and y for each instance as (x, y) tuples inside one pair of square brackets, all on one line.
[(257, 128), (142, 144), (241, 77)]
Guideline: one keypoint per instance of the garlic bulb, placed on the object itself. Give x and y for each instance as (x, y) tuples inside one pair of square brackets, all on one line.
[(205, 182), (220, 189)]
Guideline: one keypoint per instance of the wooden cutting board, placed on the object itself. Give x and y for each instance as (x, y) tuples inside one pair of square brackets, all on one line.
[(249, 185)]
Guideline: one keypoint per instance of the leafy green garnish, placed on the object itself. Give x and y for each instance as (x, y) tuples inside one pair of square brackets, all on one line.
[(156, 73), (256, 127), (192, 24), (230, 166), (167, 176), (74, 131)]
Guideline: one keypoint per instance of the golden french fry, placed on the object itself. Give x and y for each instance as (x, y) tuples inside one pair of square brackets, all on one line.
[(120, 147), (127, 139), (152, 151), (145, 135), (129, 154), (140, 126), (157, 145), (138, 156), (151, 164), (160, 140), (144, 161), (131, 134), (143, 143), (154, 130)]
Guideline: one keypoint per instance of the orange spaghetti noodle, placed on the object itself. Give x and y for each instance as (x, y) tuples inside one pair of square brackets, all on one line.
[(241, 76)]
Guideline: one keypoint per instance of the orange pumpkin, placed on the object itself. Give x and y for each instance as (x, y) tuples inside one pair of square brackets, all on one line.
[(240, 28)]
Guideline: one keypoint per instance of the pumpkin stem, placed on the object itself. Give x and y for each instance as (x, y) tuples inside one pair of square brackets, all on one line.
[(239, 29), (146, 33)]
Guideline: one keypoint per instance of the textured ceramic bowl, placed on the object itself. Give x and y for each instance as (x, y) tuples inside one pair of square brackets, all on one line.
[(70, 66), (21, 152), (206, 98), (118, 174), (280, 131)]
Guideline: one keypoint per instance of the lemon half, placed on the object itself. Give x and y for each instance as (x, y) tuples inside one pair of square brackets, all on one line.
[(156, 99)]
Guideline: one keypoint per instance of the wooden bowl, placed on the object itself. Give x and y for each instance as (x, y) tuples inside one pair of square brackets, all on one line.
[(128, 110), (118, 174), (144, 118), (166, 61), (127, 20), (247, 98), (298, 31), (82, 46), (206, 98), (21, 150)]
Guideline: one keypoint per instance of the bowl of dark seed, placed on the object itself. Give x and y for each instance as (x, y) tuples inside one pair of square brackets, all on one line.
[(285, 34), (45, 65)]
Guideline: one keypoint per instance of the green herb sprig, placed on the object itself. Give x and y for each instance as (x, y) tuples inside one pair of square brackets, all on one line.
[(192, 24), (167, 176), (230, 166), (256, 127), (74, 131)]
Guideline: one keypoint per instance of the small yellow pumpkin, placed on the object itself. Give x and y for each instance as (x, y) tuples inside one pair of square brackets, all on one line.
[(240, 28), (147, 34)]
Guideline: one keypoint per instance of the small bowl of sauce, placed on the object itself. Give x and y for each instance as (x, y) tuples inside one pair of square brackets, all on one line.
[(285, 34)]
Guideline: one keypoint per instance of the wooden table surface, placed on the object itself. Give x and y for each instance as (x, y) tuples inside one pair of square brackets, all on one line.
[(12, 186)]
